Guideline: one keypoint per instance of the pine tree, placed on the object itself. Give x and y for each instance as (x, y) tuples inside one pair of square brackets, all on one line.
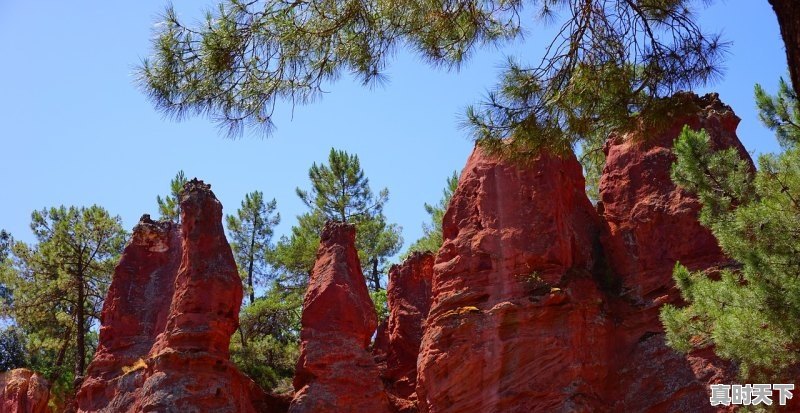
[(376, 241), (294, 255), (5, 244), (12, 349), (749, 312), (246, 56), (432, 232), (250, 231), (58, 286), (169, 207), (780, 113), (266, 346), (339, 191)]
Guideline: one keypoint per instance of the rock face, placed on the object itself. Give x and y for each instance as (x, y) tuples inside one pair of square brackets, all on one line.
[(336, 372), (517, 322), (652, 225), (167, 321), (409, 299), (542, 304), (23, 391), (652, 222)]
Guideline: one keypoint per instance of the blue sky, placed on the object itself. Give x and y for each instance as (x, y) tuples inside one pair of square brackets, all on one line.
[(75, 130)]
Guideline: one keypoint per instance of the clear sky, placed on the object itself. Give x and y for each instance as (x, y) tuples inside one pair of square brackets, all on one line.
[(75, 130)]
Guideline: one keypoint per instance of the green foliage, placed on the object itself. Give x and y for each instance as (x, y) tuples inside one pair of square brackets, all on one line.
[(381, 304), (294, 255), (748, 312), (169, 207), (339, 191), (780, 113), (250, 231), (12, 349), (432, 231), (376, 241), (608, 60), (6, 241), (247, 55), (593, 160), (58, 286), (266, 345), (721, 179)]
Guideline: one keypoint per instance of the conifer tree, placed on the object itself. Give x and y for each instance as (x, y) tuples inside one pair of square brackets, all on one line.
[(12, 349), (266, 346), (250, 231), (780, 113), (376, 241), (339, 191), (169, 207), (58, 285), (247, 56), (294, 255)]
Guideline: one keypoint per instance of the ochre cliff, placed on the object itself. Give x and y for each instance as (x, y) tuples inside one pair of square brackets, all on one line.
[(23, 391), (540, 303), (168, 318), (518, 321), (652, 224)]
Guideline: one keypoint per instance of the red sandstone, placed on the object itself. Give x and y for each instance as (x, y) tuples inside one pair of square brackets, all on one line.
[(23, 391)]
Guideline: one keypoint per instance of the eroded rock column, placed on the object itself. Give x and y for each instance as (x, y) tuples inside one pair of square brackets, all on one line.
[(336, 372), (168, 318)]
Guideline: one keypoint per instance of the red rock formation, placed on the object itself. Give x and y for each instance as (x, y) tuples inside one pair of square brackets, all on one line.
[(540, 305), (167, 320), (652, 222), (409, 299), (517, 322), (652, 225), (23, 391), (335, 372)]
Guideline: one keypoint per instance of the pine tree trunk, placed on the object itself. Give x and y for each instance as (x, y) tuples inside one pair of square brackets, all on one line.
[(250, 267), (241, 336), (376, 279), (788, 12), (56, 371), (81, 331)]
